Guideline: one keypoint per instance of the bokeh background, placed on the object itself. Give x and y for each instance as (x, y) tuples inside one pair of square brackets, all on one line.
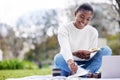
[(28, 29)]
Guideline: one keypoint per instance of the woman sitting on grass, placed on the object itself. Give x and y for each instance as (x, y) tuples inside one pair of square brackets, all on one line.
[(76, 39)]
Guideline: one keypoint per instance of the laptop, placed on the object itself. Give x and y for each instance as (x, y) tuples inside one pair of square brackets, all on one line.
[(110, 67)]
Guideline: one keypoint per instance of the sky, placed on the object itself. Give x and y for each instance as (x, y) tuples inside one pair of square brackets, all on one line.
[(10, 10)]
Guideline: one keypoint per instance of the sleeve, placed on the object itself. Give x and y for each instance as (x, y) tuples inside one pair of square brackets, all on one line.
[(94, 39), (94, 42), (64, 43)]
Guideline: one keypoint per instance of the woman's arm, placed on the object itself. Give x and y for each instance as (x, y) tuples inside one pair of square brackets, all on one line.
[(63, 39)]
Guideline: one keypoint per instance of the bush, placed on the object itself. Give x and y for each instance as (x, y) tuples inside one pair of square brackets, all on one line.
[(17, 64), (114, 43), (115, 46)]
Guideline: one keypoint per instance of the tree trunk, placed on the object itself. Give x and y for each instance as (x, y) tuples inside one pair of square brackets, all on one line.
[(118, 10)]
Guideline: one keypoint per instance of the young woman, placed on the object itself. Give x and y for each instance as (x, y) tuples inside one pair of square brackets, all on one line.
[(76, 39)]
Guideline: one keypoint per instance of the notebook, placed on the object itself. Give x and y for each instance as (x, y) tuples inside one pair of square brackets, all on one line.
[(110, 67)]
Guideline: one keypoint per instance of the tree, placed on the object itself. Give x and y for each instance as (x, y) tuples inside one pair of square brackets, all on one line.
[(8, 42), (117, 7), (42, 22), (114, 40)]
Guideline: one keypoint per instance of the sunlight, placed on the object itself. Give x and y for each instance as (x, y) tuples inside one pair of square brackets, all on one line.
[(10, 10)]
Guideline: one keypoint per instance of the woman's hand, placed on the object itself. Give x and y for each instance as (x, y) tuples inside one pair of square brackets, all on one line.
[(83, 54), (72, 66)]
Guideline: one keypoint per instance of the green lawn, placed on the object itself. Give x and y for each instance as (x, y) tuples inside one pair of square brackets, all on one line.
[(4, 74)]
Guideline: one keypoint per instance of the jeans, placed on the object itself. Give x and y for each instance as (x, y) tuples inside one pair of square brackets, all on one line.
[(92, 65)]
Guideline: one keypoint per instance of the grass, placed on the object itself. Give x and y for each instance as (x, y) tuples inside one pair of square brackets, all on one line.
[(4, 74)]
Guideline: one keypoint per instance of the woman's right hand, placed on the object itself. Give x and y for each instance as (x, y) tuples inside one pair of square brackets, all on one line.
[(72, 66), (83, 54)]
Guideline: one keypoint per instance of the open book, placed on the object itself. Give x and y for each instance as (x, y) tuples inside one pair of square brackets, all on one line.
[(93, 52), (80, 72)]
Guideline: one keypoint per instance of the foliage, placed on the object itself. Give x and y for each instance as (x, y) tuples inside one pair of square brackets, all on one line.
[(51, 42), (41, 20), (118, 9), (4, 74), (114, 43), (17, 64), (44, 51)]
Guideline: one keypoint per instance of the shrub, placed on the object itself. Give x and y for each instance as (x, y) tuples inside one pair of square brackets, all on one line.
[(115, 46), (114, 43), (17, 64)]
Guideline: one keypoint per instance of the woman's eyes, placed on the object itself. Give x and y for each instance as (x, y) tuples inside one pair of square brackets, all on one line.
[(82, 17)]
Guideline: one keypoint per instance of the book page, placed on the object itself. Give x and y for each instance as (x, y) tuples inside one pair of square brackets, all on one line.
[(94, 51), (80, 72)]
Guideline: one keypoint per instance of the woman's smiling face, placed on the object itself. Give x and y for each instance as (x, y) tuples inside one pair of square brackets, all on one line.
[(82, 18)]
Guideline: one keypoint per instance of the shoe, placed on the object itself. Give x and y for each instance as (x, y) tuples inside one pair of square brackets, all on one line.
[(95, 75)]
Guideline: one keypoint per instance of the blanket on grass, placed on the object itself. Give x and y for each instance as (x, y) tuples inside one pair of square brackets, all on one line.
[(50, 77)]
